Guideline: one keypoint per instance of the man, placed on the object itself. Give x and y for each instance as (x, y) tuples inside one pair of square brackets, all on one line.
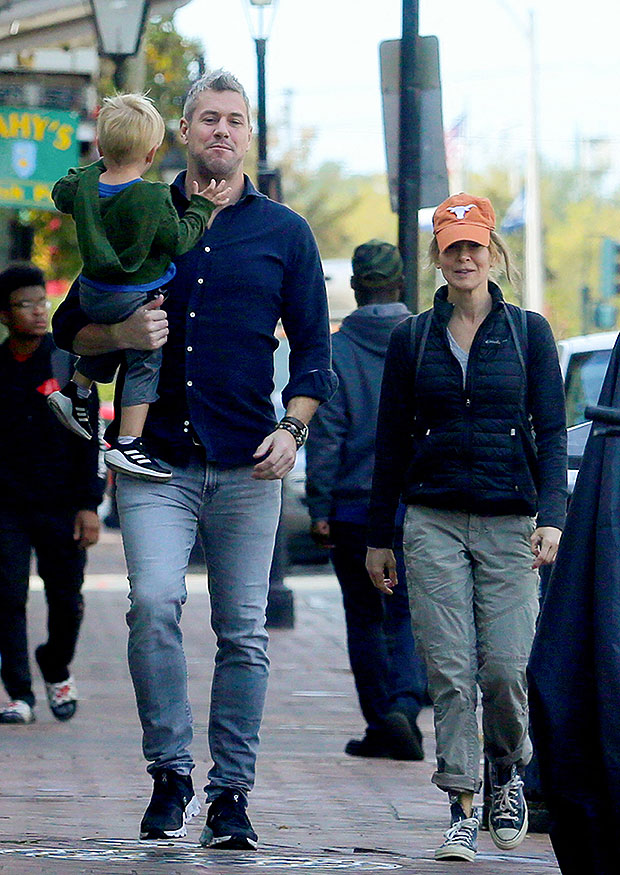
[(389, 676), (49, 493), (214, 426)]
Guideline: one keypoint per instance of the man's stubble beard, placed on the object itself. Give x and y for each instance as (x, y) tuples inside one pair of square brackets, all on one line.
[(217, 168)]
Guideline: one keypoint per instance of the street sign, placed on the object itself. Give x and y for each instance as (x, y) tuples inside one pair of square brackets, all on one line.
[(433, 171), (37, 146)]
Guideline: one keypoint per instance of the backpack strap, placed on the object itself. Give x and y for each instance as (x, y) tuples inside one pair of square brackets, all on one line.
[(420, 325), (521, 343)]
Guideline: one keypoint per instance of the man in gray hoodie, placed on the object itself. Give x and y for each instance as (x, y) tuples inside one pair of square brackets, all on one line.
[(389, 676)]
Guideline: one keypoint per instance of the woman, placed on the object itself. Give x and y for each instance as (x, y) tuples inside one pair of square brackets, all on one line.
[(471, 433)]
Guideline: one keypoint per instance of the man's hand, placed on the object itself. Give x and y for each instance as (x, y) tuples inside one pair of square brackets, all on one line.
[(86, 528), (279, 449), (320, 533), (147, 328), (381, 566), (544, 545)]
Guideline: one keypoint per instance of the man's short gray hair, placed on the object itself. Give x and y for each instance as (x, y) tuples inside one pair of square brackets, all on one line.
[(218, 80)]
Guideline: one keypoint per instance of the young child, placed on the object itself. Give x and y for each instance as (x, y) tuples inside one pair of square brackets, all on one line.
[(128, 232)]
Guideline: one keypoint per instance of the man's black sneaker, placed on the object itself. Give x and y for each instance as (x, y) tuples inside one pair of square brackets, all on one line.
[(399, 739), (403, 737), (71, 410), (133, 459), (172, 804), (228, 826), (461, 839), (372, 745), (508, 816)]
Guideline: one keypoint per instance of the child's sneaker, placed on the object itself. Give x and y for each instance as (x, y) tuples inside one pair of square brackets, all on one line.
[(71, 410), (133, 459)]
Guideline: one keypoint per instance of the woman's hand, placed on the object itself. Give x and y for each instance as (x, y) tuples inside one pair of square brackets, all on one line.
[(381, 566), (544, 545)]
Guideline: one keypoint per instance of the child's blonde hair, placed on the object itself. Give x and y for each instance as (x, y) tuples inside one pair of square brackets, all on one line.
[(128, 126)]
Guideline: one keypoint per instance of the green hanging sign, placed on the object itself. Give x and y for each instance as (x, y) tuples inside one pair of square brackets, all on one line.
[(37, 147)]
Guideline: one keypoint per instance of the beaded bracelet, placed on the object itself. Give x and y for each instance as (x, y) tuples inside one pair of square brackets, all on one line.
[(296, 427)]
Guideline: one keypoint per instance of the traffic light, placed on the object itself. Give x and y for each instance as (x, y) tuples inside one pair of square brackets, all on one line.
[(610, 268)]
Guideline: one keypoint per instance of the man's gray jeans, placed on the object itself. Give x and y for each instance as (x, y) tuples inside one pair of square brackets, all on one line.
[(474, 601), (237, 518)]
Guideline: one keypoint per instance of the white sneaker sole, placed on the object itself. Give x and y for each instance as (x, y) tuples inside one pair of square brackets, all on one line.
[(116, 461), (455, 853), (63, 410), (509, 844)]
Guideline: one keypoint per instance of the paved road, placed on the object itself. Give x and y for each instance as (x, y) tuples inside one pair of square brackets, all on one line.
[(72, 795)]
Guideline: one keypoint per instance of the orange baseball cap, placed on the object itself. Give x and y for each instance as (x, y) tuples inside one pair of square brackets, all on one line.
[(463, 217)]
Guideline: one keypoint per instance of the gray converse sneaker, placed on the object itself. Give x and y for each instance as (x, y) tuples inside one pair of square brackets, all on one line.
[(508, 816), (461, 840)]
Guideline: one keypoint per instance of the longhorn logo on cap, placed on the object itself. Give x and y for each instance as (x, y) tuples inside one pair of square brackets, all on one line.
[(460, 212)]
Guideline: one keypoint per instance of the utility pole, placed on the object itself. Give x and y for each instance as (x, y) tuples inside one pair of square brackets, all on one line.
[(409, 155), (534, 279)]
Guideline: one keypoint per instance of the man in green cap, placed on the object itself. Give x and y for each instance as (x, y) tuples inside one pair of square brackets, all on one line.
[(388, 674)]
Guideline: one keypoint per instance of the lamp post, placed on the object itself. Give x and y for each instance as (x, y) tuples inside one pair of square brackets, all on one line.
[(119, 25), (409, 154), (260, 15)]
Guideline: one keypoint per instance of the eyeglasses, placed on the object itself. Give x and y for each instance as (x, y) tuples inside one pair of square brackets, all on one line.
[(44, 304)]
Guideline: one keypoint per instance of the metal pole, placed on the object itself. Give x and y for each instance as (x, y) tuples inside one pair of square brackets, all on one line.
[(409, 155), (534, 273), (261, 49)]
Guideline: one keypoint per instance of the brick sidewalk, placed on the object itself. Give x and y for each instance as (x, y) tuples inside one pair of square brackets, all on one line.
[(72, 795)]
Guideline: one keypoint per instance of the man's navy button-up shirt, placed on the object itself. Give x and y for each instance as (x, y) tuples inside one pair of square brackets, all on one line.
[(258, 263)]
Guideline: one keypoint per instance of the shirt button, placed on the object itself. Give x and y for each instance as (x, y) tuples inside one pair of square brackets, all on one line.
[(189, 383), (207, 249), (200, 281), (190, 348), (186, 422), (191, 315), (186, 430)]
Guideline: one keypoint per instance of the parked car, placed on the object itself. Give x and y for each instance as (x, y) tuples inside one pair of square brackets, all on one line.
[(583, 361)]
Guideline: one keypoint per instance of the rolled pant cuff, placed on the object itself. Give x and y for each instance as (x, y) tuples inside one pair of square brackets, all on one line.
[(456, 783), (520, 759)]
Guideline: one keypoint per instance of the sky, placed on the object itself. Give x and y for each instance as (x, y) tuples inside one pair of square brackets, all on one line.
[(323, 73)]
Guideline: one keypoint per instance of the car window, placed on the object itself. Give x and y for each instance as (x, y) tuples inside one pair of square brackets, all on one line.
[(584, 379)]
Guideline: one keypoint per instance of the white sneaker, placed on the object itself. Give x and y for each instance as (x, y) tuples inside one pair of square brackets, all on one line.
[(62, 698), (17, 711)]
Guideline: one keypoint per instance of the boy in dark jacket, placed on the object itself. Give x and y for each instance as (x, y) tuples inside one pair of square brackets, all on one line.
[(128, 231), (340, 452), (49, 492)]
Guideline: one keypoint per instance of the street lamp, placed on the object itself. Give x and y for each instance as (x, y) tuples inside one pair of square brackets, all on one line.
[(119, 25), (260, 15)]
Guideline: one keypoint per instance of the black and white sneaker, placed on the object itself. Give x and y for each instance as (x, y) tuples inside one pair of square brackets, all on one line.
[(461, 840), (133, 459), (71, 410), (508, 818), (228, 826), (172, 804)]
